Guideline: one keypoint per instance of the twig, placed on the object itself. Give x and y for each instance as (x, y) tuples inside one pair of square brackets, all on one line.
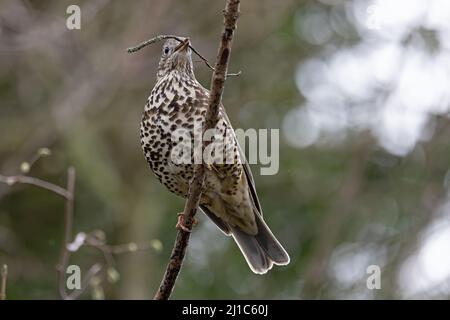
[(65, 252), (4, 278), (26, 166), (92, 272), (12, 180), (68, 194), (152, 40), (231, 14), (81, 239), (166, 36), (68, 222), (123, 248)]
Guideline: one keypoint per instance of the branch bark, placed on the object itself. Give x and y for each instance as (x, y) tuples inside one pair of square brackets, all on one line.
[(231, 14)]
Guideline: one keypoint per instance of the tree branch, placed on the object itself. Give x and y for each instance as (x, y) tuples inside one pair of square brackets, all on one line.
[(231, 14)]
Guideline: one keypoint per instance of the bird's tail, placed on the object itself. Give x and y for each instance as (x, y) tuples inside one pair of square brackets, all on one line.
[(261, 250)]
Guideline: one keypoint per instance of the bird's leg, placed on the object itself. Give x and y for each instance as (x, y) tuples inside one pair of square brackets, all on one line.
[(180, 224)]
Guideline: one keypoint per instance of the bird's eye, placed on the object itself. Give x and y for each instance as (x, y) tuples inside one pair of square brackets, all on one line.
[(166, 50)]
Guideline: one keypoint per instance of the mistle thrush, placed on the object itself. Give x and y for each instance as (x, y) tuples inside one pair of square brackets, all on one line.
[(178, 103)]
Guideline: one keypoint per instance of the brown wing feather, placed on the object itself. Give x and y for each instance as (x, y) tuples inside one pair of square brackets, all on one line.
[(222, 225), (246, 166)]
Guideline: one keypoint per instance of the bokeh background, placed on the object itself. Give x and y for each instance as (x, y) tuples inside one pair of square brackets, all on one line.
[(360, 91)]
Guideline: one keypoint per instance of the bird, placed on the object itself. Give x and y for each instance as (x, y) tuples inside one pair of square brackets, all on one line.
[(178, 103)]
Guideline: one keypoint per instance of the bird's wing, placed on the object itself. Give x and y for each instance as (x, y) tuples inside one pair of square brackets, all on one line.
[(222, 225), (245, 165), (231, 193)]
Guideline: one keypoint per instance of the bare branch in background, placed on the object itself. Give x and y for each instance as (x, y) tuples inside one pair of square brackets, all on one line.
[(68, 224), (12, 180), (94, 239), (231, 14)]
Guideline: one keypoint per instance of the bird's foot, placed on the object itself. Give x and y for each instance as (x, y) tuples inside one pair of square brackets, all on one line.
[(181, 225)]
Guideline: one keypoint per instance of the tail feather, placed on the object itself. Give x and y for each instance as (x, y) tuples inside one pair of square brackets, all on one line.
[(262, 250), (255, 256), (270, 244)]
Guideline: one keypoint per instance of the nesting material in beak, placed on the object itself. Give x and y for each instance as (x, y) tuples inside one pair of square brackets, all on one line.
[(183, 45)]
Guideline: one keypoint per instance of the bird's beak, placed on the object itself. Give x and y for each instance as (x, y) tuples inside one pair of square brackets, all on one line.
[(182, 46)]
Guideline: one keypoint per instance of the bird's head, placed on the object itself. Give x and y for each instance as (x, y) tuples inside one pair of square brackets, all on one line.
[(176, 55)]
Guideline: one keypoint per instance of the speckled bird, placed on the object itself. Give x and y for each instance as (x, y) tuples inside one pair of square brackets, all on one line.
[(178, 103)]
